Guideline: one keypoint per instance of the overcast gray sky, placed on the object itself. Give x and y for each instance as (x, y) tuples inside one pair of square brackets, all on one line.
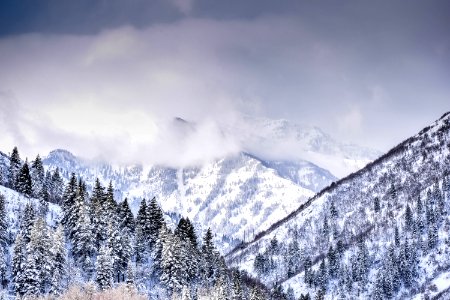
[(93, 75)]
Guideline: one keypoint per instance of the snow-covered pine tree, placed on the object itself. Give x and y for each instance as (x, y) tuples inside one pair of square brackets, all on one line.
[(18, 263), (3, 223), (208, 258), (59, 253), (143, 221), (126, 217), (83, 243), (97, 214), (15, 165), (409, 219), (27, 221), (237, 293), (186, 232), (31, 276), (110, 204), (37, 176), (57, 187), (40, 258), (172, 262), (140, 245), (104, 267), (3, 268), (156, 220), (376, 204), (24, 183), (68, 205), (119, 243)]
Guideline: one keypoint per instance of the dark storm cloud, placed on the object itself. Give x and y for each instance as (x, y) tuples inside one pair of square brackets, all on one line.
[(372, 72)]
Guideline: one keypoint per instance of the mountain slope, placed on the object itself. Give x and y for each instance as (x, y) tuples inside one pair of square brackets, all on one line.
[(345, 213), (221, 195)]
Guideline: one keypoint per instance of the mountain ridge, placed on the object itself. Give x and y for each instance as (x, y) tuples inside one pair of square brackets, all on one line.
[(416, 167)]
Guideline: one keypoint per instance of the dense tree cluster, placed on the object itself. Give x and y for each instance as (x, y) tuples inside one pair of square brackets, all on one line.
[(31, 179), (99, 240)]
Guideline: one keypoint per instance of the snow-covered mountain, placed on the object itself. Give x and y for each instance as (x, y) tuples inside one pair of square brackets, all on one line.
[(235, 196), (238, 194), (275, 139), (379, 233)]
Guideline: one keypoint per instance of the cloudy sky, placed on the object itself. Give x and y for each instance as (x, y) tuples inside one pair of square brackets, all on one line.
[(98, 76)]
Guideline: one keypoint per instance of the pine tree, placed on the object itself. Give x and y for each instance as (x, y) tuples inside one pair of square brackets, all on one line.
[(142, 219), (32, 281), (3, 266), (59, 253), (27, 221), (409, 221), (83, 243), (333, 264), (325, 229), (237, 293), (57, 187), (37, 176), (68, 205), (23, 183), (322, 276), (432, 236), (44, 199), (141, 245), (376, 204), (208, 257), (119, 243), (396, 236), (259, 264), (104, 267), (419, 205), (333, 211), (156, 220), (186, 232), (3, 224), (273, 246), (393, 192), (77, 210), (126, 217), (99, 221), (171, 263), (14, 168), (18, 262), (40, 258), (110, 208), (308, 275)]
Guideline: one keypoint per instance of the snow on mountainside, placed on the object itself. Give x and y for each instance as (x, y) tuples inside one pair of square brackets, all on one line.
[(272, 139), (359, 237), (235, 196), (15, 204)]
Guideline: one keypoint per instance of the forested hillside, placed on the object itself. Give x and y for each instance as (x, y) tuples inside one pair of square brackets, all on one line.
[(379, 233), (92, 240)]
